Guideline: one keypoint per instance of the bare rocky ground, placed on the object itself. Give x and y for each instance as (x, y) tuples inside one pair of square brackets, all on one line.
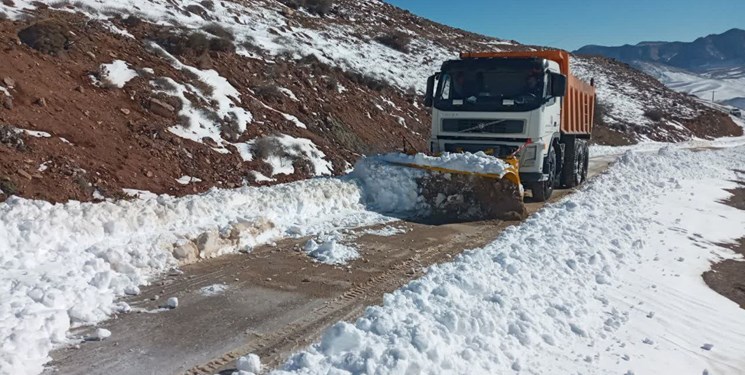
[(728, 277), (103, 139)]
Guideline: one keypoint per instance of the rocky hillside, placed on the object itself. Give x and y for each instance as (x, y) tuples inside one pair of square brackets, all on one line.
[(109, 99)]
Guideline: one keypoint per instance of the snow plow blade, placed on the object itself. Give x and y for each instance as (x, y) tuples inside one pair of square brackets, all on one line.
[(455, 195)]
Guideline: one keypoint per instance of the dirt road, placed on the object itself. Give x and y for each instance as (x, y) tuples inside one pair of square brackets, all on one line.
[(275, 300)]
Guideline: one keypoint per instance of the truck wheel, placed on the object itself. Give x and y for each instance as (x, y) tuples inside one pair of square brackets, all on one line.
[(585, 160), (571, 171), (542, 190)]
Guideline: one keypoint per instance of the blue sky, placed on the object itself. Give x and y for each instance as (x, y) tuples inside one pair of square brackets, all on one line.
[(570, 24)]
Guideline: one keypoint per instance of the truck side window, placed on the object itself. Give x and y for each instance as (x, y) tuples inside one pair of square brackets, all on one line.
[(445, 87)]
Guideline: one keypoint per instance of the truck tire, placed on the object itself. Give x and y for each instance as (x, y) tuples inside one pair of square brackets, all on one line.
[(542, 190), (571, 171), (585, 160)]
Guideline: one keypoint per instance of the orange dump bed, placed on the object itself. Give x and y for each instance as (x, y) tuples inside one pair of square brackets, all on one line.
[(578, 106)]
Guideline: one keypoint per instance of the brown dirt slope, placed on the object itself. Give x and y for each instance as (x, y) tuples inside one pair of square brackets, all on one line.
[(728, 277), (102, 139), (107, 139)]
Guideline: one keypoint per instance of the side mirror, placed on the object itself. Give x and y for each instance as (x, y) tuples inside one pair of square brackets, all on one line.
[(558, 85), (429, 96)]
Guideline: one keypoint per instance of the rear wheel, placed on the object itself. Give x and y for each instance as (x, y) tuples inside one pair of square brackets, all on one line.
[(542, 190), (571, 171), (585, 160)]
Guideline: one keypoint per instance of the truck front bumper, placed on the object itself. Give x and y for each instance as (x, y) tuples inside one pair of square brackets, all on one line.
[(530, 177)]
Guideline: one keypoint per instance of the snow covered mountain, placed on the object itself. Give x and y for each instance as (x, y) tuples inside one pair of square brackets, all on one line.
[(728, 89), (712, 53), (109, 98), (714, 64)]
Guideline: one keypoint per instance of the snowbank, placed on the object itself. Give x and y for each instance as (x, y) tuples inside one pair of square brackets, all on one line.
[(63, 265), (329, 249), (388, 188), (592, 284), (465, 162)]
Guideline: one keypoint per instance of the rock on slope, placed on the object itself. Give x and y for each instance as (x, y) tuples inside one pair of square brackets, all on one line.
[(180, 96)]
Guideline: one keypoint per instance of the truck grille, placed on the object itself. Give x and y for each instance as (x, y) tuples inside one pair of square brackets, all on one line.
[(489, 126), (490, 149)]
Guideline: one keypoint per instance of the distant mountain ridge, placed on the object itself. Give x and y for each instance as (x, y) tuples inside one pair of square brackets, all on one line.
[(712, 54), (710, 66)]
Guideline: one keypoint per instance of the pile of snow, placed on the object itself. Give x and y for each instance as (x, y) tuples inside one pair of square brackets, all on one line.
[(389, 188), (116, 73), (99, 334), (591, 284), (32, 133), (248, 365), (111, 248), (172, 303), (327, 248), (464, 162)]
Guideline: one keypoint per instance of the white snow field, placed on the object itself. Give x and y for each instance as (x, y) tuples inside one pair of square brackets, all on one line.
[(606, 281), (702, 85)]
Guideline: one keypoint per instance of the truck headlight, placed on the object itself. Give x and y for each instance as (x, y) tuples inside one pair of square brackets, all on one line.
[(529, 153), (528, 156)]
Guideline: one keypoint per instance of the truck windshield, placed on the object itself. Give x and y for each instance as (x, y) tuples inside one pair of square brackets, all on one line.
[(491, 85)]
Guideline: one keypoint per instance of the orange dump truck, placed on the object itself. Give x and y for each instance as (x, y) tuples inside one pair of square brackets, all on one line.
[(516, 104)]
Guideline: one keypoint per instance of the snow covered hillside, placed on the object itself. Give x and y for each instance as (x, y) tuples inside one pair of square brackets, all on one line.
[(591, 284), (711, 63), (728, 89), (145, 96), (640, 107)]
